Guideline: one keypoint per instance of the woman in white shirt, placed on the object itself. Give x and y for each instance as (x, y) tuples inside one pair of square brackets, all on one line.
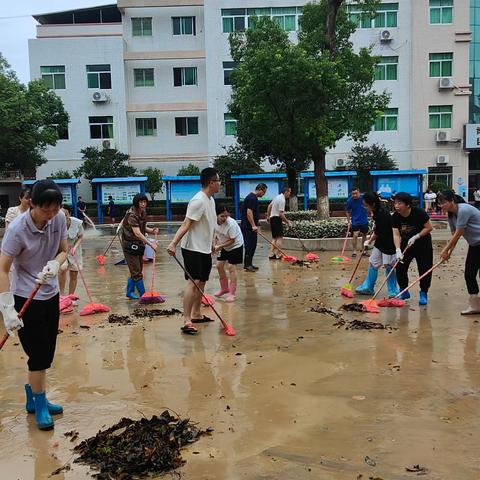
[(429, 198), (14, 212), (229, 242)]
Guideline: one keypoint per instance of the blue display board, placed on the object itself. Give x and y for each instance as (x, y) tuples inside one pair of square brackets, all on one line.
[(338, 188), (248, 185), (398, 183), (182, 192)]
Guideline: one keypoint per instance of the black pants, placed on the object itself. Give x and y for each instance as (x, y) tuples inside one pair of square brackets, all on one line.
[(40, 329), (472, 266), (423, 254), (250, 240)]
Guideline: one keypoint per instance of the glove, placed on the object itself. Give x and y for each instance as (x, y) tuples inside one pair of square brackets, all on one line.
[(10, 315), (412, 240), (50, 270), (399, 254), (366, 244)]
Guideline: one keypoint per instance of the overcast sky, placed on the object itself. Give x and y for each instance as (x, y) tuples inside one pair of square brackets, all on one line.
[(17, 26)]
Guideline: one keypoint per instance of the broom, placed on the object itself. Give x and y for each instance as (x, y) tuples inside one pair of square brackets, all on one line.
[(396, 301), (227, 328), (310, 256), (342, 258), (91, 307), (22, 311), (152, 296), (285, 257), (101, 258)]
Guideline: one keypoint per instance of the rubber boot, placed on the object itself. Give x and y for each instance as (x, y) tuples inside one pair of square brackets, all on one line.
[(42, 415), (231, 296), (131, 289), (473, 306), (405, 295), (140, 287), (223, 287), (30, 405), (393, 290), (367, 287), (423, 298)]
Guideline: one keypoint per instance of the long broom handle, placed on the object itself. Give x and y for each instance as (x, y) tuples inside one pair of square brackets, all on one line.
[(83, 278), (152, 281), (346, 238), (272, 244), (359, 260), (22, 311), (224, 323), (430, 270), (110, 244)]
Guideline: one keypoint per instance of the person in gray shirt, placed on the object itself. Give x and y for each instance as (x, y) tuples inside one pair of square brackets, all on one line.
[(464, 221)]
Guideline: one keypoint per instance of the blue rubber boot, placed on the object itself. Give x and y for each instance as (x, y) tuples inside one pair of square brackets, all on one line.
[(393, 290), (423, 298), (367, 287), (131, 289), (42, 415), (30, 405), (140, 287), (405, 295)]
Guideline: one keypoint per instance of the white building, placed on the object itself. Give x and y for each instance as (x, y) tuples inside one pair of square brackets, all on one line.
[(151, 78)]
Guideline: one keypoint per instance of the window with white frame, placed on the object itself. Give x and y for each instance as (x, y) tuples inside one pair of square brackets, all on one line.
[(230, 124), (238, 19), (53, 76), (387, 68), (186, 126), (184, 76), (386, 16), (142, 27), (99, 76), (441, 12), (228, 68), (101, 127), (441, 64), (146, 127), (184, 26), (440, 116), (388, 121), (143, 77)]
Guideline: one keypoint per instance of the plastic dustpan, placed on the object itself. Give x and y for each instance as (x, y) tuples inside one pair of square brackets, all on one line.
[(152, 297), (391, 302), (207, 300), (93, 308), (311, 257)]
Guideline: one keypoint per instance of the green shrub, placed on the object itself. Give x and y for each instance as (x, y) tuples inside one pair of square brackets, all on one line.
[(301, 215), (333, 228)]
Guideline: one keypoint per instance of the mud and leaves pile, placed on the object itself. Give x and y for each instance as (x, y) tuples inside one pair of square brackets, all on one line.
[(138, 448)]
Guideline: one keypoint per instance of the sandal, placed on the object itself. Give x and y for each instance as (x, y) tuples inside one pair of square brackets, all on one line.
[(189, 329), (204, 319)]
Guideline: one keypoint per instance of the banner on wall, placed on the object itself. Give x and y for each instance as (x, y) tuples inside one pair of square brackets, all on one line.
[(337, 188), (247, 186), (66, 194), (122, 193), (388, 185), (183, 191)]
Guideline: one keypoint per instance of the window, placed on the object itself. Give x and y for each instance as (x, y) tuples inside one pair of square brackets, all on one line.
[(186, 126), (441, 64), (184, 26), (230, 124), (441, 12), (101, 127), (440, 116), (233, 19), (146, 127), (142, 27), (227, 71), (386, 69), (99, 76), (143, 77), (385, 17), (184, 76), (54, 76), (440, 174), (61, 132), (387, 121), (286, 18), (236, 19)]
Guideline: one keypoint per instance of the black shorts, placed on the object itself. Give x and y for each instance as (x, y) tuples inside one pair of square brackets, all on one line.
[(40, 329), (233, 257), (276, 225), (360, 228), (197, 264)]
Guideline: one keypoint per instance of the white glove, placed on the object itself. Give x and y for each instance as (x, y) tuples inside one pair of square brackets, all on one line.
[(412, 240), (10, 315), (399, 254), (366, 244), (50, 270)]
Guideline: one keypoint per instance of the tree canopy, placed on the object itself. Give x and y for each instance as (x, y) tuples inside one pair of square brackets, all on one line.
[(154, 183), (108, 162), (188, 170)]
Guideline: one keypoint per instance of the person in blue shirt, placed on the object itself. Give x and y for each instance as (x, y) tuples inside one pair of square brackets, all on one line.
[(357, 218)]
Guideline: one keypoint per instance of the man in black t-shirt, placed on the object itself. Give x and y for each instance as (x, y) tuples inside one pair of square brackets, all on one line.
[(81, 207), (411, 228), (249, 216)]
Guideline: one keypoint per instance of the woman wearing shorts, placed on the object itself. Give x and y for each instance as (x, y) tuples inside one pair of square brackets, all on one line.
[(229, 242)]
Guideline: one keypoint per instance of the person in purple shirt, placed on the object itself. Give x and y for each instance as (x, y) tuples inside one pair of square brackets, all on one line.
[(36, 245)]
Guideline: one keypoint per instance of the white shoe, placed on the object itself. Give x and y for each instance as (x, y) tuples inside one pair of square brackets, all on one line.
[(474, 306)]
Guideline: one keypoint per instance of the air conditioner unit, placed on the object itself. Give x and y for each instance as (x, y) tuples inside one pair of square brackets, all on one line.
[(445, 83), (442, 136), (99, 97), (106, 144), (386, 36), (340, 162), (442, 159)]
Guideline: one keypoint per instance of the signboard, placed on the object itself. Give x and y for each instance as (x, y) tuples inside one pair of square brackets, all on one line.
[(337, 188), (472, 136), (122, 193), (387, 185), (66, 194), (183, 191), (247, 186)]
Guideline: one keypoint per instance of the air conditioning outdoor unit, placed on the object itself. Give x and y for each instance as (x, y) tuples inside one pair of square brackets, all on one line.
[(106, 144), (443, 136), (99, 97), (340, 162), (386, 36), (445, 83), (442, 159)]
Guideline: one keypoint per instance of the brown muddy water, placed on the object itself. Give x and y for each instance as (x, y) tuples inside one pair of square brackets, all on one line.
[(290, 397)]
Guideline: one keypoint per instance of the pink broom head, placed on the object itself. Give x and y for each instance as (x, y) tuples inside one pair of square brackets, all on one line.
[(73, 297), (289, 258), (311, 257), (391, 302), (100, 259), (151, 297), (370, 306), (229, 330), (346, 292), (207, 300), (93, 308)]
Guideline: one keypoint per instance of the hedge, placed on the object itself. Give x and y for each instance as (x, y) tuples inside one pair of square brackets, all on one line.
[(310, 215), (333, 228)]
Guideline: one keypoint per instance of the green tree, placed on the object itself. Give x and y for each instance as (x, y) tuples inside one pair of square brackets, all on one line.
[(108, 162), (28, 121), (236, 161), (187, 170), (154, 183), (369, 157), (61, 174)]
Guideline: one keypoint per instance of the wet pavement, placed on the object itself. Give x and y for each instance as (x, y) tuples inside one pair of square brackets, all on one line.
[(290, 397)]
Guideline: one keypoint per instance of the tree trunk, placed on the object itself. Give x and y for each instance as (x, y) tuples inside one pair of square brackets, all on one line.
[(321, 186), (332, 10), (292, 183)]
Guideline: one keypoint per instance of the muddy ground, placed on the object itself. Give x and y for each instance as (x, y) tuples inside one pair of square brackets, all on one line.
[(290, 397)]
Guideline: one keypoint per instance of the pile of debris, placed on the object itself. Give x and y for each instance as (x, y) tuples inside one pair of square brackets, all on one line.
[(155, 312)]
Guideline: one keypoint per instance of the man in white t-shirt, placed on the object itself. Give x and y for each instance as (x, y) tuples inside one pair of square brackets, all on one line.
[(276, 217), (196, 234)]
